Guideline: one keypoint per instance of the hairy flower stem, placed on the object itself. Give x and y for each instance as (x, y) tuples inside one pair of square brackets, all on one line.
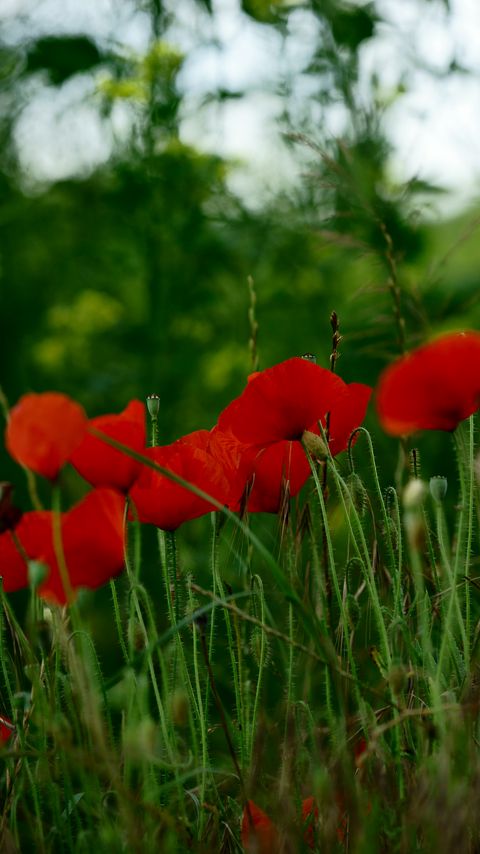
[(336, 585), (461, 563), (202, 721), (468, 448), (218, 585), (168, 559), (395, 569), (58, 544), (257, 583)]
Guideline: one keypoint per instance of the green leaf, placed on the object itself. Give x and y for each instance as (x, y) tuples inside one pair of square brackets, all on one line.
[(62, 57)]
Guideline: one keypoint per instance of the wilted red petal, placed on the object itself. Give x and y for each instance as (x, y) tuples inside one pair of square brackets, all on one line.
[(43, 430), (161, 502), (100, 464), (433, 388), (259, 834), (309, 818), (281, 402), (92, 538)]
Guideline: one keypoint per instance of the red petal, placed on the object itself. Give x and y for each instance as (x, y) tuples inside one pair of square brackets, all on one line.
[(100, 464), (34, 536), (347, 414), (43, 430), (161, 502), (7, 729), (279, 467), (259, 834), (282, 402), (309, 818), (93, 544), (433, 388)]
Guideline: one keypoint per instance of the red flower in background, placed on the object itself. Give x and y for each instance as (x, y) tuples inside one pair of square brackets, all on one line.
[(100, 464), (7, 729), (310, 816), (92, 538), (43, 430), (275, 410), (433, 388), (208, 460), (259, 834)]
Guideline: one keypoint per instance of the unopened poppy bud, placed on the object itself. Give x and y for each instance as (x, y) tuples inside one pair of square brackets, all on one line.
[(315, 445), (153, 405), (358, 492), (414, 494), (37, 572), (438, 488)]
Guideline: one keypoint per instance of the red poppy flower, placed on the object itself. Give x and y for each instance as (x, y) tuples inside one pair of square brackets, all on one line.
[(274, 412), (259, 834), (208, 460), (92, 539), (309, 818), (43, 430), (433, 388), (100, 464), (7, 729)]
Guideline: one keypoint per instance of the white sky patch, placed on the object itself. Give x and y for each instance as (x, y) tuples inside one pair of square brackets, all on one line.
[(434, 127)]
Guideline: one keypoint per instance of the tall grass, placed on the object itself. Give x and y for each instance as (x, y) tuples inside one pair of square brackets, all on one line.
[(334, 654)]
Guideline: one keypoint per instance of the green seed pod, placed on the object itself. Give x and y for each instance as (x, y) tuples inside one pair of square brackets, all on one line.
[(353, 610), (153, 405), (438, 488)]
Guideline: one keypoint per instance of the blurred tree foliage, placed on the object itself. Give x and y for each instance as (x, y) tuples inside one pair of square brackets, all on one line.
[(132, 279)]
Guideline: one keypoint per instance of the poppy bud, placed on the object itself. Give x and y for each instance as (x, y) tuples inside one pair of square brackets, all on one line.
[(438, 488), (358, 493), (37, 572), (315, 445)]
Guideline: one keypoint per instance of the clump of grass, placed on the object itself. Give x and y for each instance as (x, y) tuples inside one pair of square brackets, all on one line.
[(259, 685)]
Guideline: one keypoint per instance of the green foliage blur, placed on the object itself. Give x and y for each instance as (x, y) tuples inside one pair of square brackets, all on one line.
[(131, 278)]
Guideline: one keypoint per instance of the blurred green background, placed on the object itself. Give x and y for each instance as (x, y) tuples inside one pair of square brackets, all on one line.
[(128, 233)]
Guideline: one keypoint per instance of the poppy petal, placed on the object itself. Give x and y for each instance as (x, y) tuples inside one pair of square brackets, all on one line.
[(92, 541), (280, 469), (259, 834), (281, 402), (43, 430), (93, 544), (433, 388), (100, 464), (161, 502)]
